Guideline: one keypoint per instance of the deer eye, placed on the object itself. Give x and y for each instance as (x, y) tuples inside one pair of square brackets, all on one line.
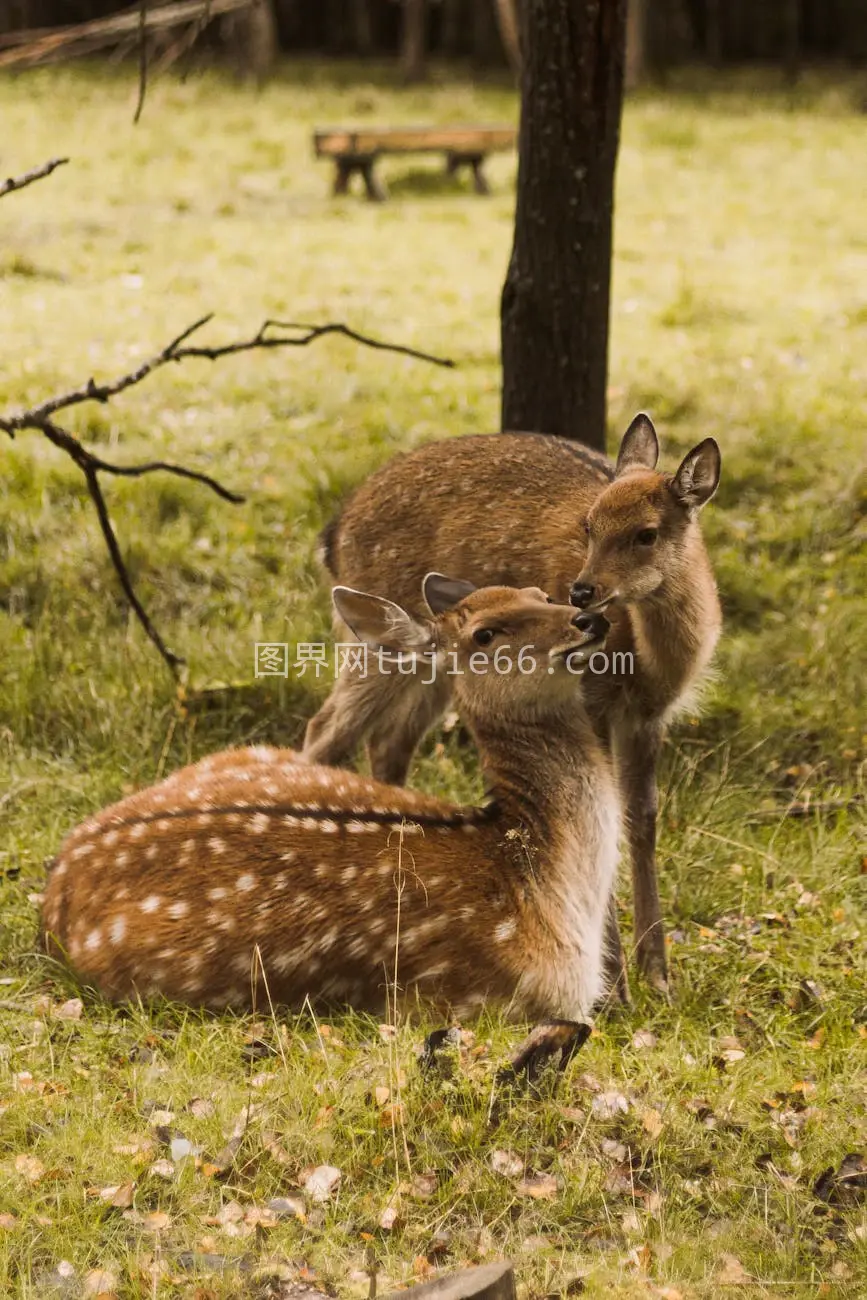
[(484, 635), (647, 536), (586, 528)]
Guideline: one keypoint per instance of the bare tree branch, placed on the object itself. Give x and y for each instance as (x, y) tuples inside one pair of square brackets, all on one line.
[(176, 351), (142, 59), (19, 182), (91, 465)]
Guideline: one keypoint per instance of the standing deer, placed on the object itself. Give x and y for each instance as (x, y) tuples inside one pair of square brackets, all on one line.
[(335, 887), (521, 508)]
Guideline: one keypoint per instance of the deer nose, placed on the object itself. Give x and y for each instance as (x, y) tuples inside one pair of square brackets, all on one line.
[(581, 594), (593, 624)]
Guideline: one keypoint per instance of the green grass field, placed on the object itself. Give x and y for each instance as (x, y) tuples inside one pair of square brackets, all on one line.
[(687, 1149)]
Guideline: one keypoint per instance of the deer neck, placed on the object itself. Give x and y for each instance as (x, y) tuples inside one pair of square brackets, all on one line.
[(675, 631), (545, 775), (558, 818)]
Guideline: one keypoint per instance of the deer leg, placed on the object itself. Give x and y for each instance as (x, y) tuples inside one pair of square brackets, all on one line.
[(616, 976), (350, 712), (394, 738), (638, 755)]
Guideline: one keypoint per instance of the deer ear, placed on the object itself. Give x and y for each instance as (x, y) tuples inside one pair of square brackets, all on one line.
[(698, 477), (380, 622), (639, 448), (442, 593)]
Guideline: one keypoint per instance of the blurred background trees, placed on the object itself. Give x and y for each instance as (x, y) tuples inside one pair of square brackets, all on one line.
[(663, 33)]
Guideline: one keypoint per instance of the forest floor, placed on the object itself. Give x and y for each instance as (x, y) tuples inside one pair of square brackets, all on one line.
[(693, 1149)]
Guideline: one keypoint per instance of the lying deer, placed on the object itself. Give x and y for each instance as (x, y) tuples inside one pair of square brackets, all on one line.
[(527, 508), (324, 884)]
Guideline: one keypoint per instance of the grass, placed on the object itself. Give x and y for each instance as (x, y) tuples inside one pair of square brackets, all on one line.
[(685, 1163)]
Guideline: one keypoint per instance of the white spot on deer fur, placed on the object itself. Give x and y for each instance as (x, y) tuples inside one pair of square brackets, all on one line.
[(245, 883), (118, 929), (59, 870), (504, 931), (270, 789), (179, 909), (216, 845), (348, 873), (258, 823), (151, 903), (321, 869), (204, 819), (214, 895), (281, 880), (357, 948), (226, 923), (241, 964), (93, 940), (137, 831), (329, 827), (193, 792), (329, 939), (264, 753), (81, 851), (150, 852), (111, 837), (233, 819), (162, 824), (284, 961), (467, 911), (309, 823)]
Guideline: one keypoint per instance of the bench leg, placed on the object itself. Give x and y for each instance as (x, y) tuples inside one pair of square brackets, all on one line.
[(480, 180), (376, 191), (345, 168), (454, 161)]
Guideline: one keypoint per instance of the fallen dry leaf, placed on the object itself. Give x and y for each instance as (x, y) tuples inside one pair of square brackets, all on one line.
[(121, 1196), (100, 1282), (30, 1168), (731, 1272), (156, 1221), (162, 1169), (141, 1148), (321, 1182), (651, 1122), (381, 1095), (389, 1218), (606, 1105), (8, 1222), (506, 1163), (160, 1118), (643, 1040), (538, 1186), (201, 1107), (287, 1207), (71, 1010)]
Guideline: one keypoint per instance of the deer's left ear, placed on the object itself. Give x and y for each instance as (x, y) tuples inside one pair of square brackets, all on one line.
[(698, 476), (442, 593), (639, 448)]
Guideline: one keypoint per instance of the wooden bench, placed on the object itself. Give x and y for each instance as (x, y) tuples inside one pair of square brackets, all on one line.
[(358, 150)]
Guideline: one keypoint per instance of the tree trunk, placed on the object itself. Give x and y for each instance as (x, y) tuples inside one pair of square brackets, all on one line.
[(451, 28), (254, 39), (636, 43), (507, 20), (362, 26), (792, 47), (413, 39), (555, 302)]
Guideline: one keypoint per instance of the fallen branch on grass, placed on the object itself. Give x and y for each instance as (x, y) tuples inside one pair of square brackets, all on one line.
[(19, 182), (40, 418)]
